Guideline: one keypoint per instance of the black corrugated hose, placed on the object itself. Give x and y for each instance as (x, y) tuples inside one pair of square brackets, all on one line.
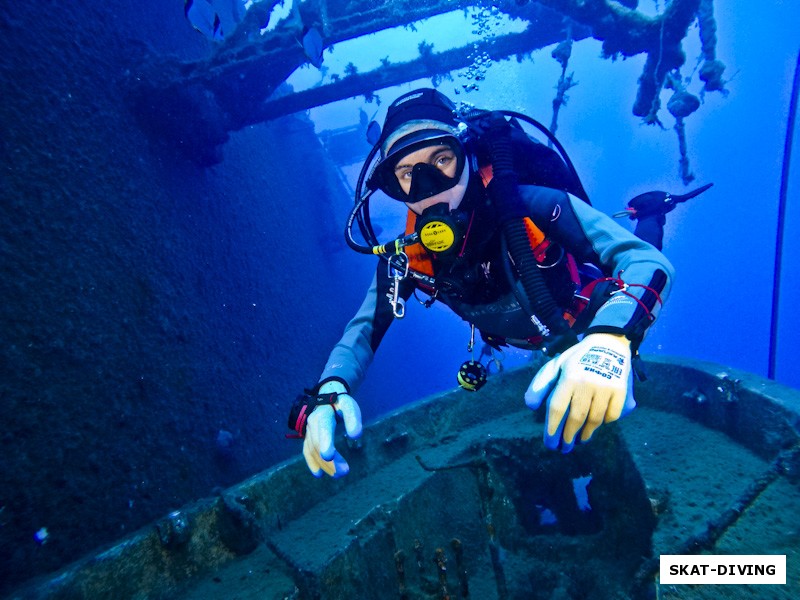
[(504, 193)]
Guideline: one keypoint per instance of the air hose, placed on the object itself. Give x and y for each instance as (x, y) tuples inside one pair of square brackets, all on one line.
[(504, 193)]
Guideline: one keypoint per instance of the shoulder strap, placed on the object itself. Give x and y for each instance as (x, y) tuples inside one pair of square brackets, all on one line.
[(536, 164), (418, 258), (536, 236)]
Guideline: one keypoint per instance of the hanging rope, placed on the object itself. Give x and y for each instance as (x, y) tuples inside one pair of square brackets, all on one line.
[(562, 53), (651, 118), (712, 69), (681, 105), (662, 70)]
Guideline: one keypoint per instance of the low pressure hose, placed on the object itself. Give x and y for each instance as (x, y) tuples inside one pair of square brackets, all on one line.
[(504, 192)]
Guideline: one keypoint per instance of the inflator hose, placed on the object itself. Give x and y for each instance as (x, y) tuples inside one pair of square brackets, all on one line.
[(504, 192)]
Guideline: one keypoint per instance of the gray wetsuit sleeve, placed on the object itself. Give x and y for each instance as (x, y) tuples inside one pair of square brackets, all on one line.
[(352, 355), (645, 271), (593, 237)]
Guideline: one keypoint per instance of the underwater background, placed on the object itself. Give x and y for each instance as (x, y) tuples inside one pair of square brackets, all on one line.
[(171, 281)]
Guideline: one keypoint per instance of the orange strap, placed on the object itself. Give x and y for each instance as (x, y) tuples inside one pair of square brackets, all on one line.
[(536, 239), (486, 174), (419, 259), (535, 235)]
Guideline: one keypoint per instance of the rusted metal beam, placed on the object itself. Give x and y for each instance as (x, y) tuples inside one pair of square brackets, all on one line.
[(235, 87), (395, 74)]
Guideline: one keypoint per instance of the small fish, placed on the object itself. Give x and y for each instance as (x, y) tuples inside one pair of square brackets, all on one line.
[(312, 45), (204, 18), (41, 536), (216, 29), (373, 133)]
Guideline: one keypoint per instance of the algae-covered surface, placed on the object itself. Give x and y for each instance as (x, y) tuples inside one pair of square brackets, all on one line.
[(453, 498), (695, 474), (692, 475), (725, 450), (468, 524)]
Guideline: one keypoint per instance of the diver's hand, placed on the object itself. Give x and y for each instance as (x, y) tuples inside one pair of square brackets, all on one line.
[(586, 385), (318, 449)]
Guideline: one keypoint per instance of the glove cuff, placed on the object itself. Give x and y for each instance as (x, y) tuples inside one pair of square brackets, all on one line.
[(634, 339), (325, 392), (332, 385), (615, 339)]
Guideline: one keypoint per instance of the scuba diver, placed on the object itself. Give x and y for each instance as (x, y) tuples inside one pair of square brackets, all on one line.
[(499, 229)]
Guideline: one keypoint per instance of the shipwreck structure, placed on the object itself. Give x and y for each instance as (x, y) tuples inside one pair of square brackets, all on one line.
[(195, 105), (445, 501)]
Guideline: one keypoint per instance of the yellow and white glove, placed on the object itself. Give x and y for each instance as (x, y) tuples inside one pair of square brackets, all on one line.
[(318, 449), (586, 385)]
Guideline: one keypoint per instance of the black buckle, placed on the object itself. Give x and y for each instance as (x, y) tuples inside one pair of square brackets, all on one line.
[(302, 407)]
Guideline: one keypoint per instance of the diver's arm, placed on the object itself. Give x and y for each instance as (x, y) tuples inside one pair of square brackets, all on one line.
[(591, 383), (594, 237), (352, 355), (315, 421), (646, 271)]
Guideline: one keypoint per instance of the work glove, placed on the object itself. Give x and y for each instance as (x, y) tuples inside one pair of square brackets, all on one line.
[(586, 385), (320, 427)]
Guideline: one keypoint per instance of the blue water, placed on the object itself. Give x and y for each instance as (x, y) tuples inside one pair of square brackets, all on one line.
[(159, 317), (722, 243)]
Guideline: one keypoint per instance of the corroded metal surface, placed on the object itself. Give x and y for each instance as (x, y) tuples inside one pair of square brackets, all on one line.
[(447, 496), (238, 84)]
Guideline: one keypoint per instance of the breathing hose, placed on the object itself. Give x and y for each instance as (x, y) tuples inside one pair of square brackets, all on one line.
[(503, 190), (504, 193)]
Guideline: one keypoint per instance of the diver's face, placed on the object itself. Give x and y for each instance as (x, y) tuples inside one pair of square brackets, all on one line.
[(440, 156)]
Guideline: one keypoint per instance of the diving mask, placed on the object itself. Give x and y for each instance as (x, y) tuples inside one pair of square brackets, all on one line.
[(426, 179)]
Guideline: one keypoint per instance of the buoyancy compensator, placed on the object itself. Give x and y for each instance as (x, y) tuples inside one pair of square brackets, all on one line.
[(490, 138)]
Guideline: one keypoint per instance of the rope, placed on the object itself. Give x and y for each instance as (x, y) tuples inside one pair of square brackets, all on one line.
[(623, 289)]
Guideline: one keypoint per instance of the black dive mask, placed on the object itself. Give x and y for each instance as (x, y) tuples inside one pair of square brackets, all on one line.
[(442, 230), (426, 180)]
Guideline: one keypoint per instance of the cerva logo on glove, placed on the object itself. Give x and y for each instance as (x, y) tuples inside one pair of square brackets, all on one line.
[(602, 362)]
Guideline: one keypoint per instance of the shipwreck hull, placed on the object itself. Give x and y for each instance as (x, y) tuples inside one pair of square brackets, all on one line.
[(455, 497)]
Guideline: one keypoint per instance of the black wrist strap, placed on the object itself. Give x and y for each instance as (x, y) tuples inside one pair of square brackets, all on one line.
[(303, 406)]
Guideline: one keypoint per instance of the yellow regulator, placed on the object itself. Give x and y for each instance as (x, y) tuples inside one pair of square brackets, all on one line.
[(437, 236), (440, 230)]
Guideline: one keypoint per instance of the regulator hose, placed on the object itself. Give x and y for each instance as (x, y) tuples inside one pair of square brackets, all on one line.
[(504, 193)]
